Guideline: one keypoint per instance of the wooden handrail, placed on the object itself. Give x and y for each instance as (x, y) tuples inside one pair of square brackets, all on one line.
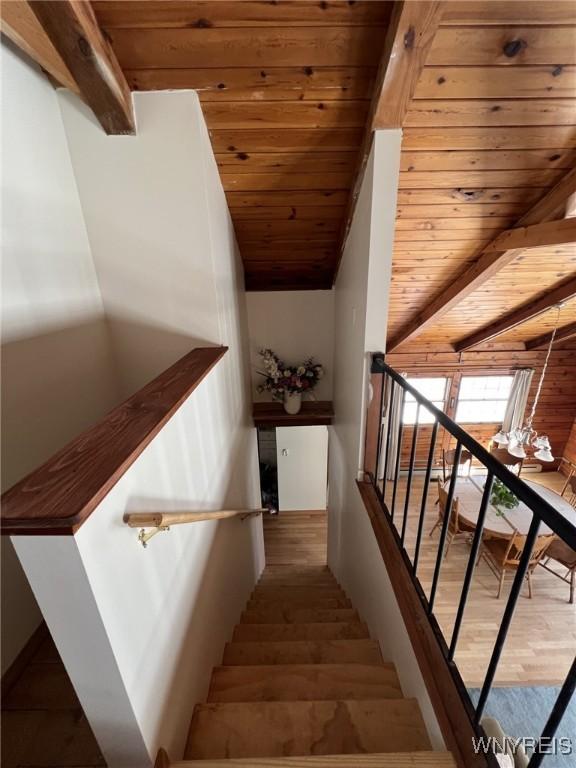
[(162, 519), (59, 496)]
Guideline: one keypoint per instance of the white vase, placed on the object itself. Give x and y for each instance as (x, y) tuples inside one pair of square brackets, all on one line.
[(292, 402)]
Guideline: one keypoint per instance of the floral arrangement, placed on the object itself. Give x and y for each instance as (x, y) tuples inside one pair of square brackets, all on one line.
[(280, 378), (502, 497)]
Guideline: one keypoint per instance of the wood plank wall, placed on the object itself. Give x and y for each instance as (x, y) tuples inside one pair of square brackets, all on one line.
[(570, 448), (557, 407)]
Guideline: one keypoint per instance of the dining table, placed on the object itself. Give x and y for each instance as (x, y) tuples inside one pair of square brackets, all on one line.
[(503, 524)]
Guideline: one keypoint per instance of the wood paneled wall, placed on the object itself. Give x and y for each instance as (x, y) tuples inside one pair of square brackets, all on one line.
[(556, 410), (570, 448)]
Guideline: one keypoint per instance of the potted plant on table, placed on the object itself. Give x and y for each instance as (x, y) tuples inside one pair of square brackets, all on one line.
[(502, 498), (288, 383)]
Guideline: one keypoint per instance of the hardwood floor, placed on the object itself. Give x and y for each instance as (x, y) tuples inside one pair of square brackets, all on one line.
[(542, 639), (296, 538)]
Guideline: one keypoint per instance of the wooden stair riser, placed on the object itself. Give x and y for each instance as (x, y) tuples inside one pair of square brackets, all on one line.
[(314, 631), (289, 593), (281, 729), (381, 760), (301, 602), (296, 580), (304, 652), (277, 614), (304, 682)]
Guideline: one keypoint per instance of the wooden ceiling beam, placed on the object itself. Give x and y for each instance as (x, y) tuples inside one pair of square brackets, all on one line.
[(411, 30), (20, 25), (561, 293), (72, 29), (563, 333), (550, 233), (489, 263)]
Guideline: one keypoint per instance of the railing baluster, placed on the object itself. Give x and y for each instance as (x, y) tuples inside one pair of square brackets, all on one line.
[(392, 390), (398, 450), (410, 472), (380, 429), (508, 614), (566, 692), (425, 494), (476, 541), (445, 524)]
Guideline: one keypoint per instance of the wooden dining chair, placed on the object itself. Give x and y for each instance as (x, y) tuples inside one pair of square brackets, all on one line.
[(448, 462), (569, 490), (566, 557), (506, 458), (503, 555), (456, 526)]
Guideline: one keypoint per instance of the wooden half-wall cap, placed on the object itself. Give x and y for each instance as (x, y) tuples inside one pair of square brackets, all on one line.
[(313, 412), (58, 497), (491, 260), (565, 291), (562, 334), (454, 718)]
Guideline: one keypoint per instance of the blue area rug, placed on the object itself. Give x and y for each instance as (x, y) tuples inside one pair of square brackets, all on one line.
[(524, 712)]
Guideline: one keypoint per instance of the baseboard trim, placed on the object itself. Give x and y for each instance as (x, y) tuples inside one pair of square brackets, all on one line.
[(15, 670)]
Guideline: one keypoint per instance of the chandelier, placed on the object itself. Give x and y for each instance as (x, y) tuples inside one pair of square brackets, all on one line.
[(518, 440)]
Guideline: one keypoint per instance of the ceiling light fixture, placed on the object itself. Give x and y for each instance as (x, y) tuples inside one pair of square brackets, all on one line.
[(518, 440)]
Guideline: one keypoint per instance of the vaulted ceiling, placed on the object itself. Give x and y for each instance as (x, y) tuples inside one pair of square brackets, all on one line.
[(490, 131), (291, 90)]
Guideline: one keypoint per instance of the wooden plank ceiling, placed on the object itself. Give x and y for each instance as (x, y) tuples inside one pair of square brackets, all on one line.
[(291, 90), (285, 89), (490, 131)]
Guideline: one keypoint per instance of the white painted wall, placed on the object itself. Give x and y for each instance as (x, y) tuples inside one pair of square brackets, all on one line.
[(296, 325), (145, 205), (57, 368), (302, 460), (361, 309), (169, 270)]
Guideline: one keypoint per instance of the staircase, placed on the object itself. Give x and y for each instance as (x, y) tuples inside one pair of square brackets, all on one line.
[(302, 684)]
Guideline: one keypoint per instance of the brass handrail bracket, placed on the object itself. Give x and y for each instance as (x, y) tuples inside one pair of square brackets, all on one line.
[(144, 536)]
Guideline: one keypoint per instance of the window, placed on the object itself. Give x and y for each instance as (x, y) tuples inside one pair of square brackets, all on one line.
[(483, 399), (433, 390)]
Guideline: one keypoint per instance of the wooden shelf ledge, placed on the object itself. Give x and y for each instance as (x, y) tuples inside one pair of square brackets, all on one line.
[(58, 497), (314, 412)]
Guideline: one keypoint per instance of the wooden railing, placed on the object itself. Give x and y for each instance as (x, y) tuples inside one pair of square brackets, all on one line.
[(459, 718), (160, 519), (157, 522), (59, 496)]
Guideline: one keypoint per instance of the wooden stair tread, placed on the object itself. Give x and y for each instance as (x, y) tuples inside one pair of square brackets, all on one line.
[(308, 573), (304, 652), (301, 601), (282, 729), (304, 682), (275, 614), (350, 630), (383, 760)]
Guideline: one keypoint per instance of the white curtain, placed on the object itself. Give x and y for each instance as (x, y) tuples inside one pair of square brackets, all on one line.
[(394, 413), (514, 416)]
